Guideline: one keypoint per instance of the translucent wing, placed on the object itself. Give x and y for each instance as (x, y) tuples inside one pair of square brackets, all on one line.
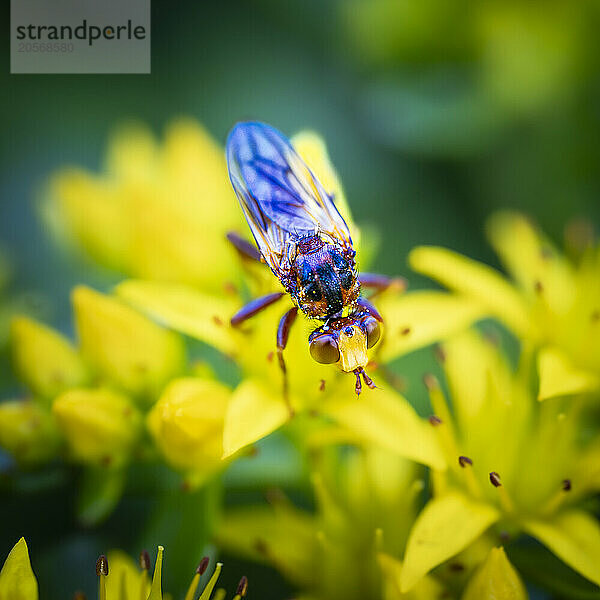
[(281, 198)]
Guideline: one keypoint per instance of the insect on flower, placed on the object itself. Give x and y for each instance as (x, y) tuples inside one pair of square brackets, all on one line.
[(302, 237)]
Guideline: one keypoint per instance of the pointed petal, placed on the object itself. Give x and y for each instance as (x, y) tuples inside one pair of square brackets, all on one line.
[(185, 309), (418, 319), (156, 589), (558, 376), (279, 534), (496, 578), (574, 536), (211, 582), (391, 567), (475, 280), (17, 581), (254, 412), (446, 526), (386, 419), (531, 259), (128, 349)]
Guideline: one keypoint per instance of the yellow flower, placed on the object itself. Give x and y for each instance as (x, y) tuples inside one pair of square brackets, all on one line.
[(187, 425), (157, 212), (553, 304), (28, 432), (366, 502), (101, 426), (119, 578), (257, 407), (352, 546), (515, 466)]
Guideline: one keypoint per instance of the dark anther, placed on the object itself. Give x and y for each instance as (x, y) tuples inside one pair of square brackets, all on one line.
[(405, 331), (242, 587), (144, 560), (595, 316), (322, 385), (539, 288), (566, 485), (463, 461), (201, 569), (79, 595), (456, 567), (495, 479), (102, 565), (434, 420), (217, 321)]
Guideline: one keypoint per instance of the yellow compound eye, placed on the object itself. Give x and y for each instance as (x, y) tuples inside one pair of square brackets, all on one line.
[(373, 329), (324, 349)]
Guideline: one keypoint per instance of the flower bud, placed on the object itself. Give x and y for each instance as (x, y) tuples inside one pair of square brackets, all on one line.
[(187, 423), (28, 432), (128, 349), (44, 360), (101, 426)]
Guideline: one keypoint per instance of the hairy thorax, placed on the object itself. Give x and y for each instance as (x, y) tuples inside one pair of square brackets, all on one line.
[(324, 278)]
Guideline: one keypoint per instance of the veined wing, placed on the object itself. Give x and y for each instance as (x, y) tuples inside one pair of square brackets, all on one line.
[(281, 198)]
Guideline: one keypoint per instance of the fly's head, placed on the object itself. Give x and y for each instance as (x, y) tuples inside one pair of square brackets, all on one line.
[(345, 341)]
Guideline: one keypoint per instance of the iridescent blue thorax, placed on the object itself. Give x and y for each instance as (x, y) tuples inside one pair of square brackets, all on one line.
[(323, 279)]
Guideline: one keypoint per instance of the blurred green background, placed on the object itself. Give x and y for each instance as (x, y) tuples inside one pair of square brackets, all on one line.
[(435, 114)]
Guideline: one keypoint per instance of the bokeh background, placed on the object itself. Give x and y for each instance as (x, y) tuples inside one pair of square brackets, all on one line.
[(435, 113)]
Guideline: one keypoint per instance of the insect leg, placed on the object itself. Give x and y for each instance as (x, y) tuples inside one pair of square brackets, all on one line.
[(283, 332), (244, 247), (254, 307), (379, 283), (370, 308)]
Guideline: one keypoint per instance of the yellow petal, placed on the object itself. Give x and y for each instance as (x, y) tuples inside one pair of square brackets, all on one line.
[(391, 568), (253, 413), (385, 418), (28, 432), (87, 208), (558, 376), (123, 574), (156, 588), (279, 534), (101, 426), (187, 423), (45, 360), (207, 591), (496, 579), (532, 260), (475, 280), (417, 319), (17, 581), (574, 536), (123, 346), (446, 526), (185, 309)]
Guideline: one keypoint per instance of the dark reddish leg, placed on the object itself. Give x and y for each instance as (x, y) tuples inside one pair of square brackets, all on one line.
[(367, 379), (379, 283), (244, 247), (283, 332), (370, 308), (254, 307)]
